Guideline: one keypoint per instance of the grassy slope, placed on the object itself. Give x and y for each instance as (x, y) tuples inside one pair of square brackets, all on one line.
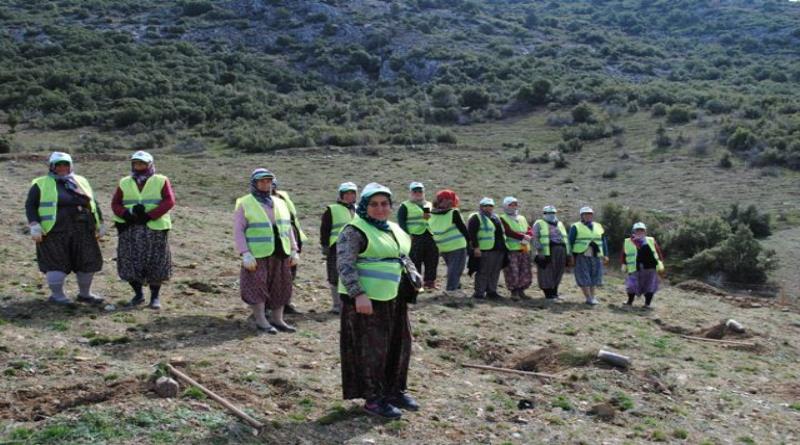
[(293, 380)]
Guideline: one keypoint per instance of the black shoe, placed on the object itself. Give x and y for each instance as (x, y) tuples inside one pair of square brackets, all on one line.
[(290, 309), (285, 328), (383, 409), (269, 329), (478, 296), (90, 299), (404, 401), (493, 296), (135, 301)]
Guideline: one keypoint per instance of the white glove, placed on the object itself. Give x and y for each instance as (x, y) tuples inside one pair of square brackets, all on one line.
[(101, 230), (294, 258), (249, 261), (527, 238), (36, 232)]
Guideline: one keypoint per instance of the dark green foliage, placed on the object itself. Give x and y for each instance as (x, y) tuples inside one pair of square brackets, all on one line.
[(741, 140), (658, 110), (538, 93), (194, 8), (678, 114), (5, 145), (662, 139), (757, 222), (583, 113), (725, 161), (475, 98), (740, 259), (618, 221), (696, 234)]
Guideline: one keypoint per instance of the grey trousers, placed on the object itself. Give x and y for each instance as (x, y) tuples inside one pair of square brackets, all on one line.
[(455, 261), (489, 272)]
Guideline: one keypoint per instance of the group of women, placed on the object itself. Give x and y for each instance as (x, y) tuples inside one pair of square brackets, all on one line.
[(372, 262)]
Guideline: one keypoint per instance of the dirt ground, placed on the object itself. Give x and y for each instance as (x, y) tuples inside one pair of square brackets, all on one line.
[(82, 375)]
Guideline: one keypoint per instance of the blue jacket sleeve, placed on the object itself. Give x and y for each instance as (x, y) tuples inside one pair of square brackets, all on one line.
[(572, 236)]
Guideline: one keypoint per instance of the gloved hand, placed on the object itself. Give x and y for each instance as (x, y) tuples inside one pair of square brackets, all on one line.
[(249, 262), (141, 216), (101, 231), (623, 268), (36, 232), (294, 259), (129, 217), (527, 238), (416, 280)]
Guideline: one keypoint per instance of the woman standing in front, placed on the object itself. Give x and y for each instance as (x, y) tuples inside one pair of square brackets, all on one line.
[(550, 243), (141, 206), (643, 261), (262, 230), (65, 222), (375, 334), (589, 248), (518, 271)]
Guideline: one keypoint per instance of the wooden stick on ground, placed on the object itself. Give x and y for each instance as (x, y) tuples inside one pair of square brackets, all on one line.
[(511, 371), (239, 413), (725, 342)]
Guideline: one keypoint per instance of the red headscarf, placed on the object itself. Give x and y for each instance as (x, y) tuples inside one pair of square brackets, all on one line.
[(446, 195)]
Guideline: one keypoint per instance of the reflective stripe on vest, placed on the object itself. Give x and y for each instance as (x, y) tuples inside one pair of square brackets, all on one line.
[(149, 197), (486, 232), (520, 225), (584, 237), (415, 221), (340, 216), (48, 200), (544, 234), (379, 268), (259, 233), (446, 234), (632, 253), (293, 213)]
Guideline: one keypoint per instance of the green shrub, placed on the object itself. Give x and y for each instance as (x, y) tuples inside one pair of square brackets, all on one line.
[(678, 114), (740, 259), (538, 93), (741, 140), (658, 110), (443, 96), (5, 145), (757, 222), (475, 98), (583, 114), (696, 234), (618, 221), (195, 8)]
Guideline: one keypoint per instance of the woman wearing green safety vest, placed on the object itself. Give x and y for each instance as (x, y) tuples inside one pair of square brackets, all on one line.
[(375, 333), (413, 217), (262, 230), (550, 244), (643, 261), (141, 206), (488, 244), (336, 216), (450, 234), (517, 230), (299, 235), (589, 248), (65, 222)]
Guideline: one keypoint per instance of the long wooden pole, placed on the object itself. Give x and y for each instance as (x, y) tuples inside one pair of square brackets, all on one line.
[(239, 413), (511, 371), (713, 340)]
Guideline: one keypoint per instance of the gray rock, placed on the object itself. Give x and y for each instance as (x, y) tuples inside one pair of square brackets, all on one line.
[(166, 387)]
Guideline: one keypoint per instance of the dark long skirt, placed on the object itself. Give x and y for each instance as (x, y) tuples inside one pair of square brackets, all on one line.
[(70, 246), (270, 283), (549, 276), (143, 254), (375, 349)]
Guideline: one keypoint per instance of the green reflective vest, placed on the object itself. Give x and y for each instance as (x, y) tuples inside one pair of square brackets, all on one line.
[(48, 200), (486, 232), (544, 234), (446, 234), (340, 216), (259, 233), (379, 267), (293, 213), (150, 197), (585, 237), (415, 221), (520, 225), (631, 253)]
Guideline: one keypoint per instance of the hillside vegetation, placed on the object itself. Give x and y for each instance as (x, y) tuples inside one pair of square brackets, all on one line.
[(261, 75)]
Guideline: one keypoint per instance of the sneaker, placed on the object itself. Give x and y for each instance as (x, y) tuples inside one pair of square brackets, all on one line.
[(62, 300), (154, 304), (90, 299), (382, 409), (404, 401), (592, 301), (135, 301)]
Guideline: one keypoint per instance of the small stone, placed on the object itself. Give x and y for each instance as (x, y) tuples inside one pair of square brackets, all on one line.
[(755, 305), (178, 360), (109, 308), (80, 358), (166, 387), (83, 340), (604, 411)]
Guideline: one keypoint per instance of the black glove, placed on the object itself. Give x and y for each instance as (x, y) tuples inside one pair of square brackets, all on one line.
[(129, 217), (141, 216)]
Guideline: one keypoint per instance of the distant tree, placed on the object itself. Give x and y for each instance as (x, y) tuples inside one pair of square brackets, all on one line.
[(475, 98), (12, 120), (678, 115), (757, 222), (194, 8), (583, 113), (537, 93), (443, 96), (741, 140)]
